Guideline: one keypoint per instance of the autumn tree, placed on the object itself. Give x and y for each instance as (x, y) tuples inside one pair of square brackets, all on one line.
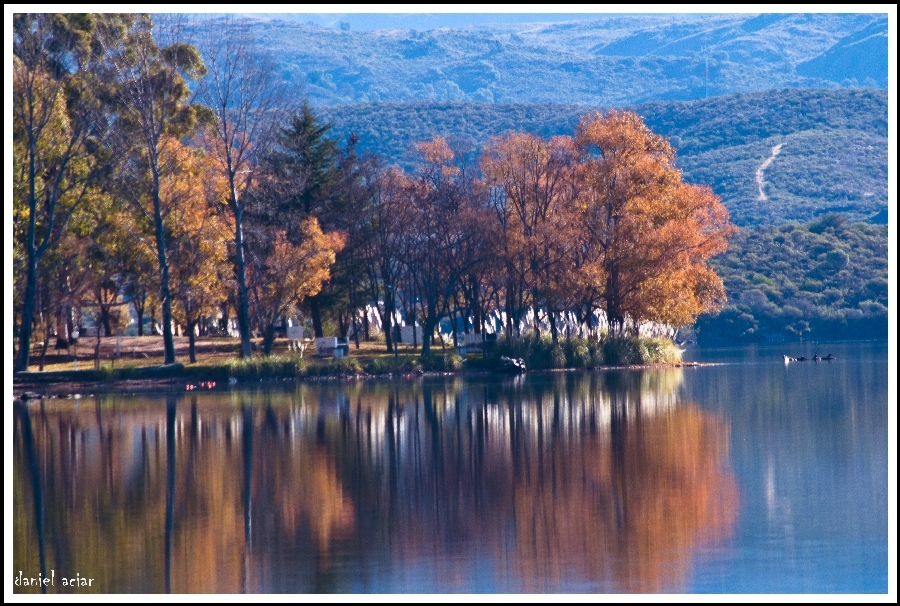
[(388, 220), (247, 103), (196, 234), (152, 97), (59, 130), (443, 241), (652, 234), (308, 175), (532, 187), (284, 270), (141, 280), (108, 248)]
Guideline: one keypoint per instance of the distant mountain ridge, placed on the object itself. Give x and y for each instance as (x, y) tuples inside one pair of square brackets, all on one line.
[(857, 58), (592, 59)]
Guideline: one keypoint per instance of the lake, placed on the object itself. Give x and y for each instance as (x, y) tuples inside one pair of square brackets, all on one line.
[(748, 476)]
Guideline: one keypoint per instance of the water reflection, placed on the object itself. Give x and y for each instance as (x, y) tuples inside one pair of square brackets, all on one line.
[(560, 482)]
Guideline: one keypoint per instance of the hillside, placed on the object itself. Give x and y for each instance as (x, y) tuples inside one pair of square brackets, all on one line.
[(827, 280), (832, 158), (590, 59)]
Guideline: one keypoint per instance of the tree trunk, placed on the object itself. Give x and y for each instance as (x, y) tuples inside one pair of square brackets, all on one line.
[(389, 332), (165, 295), (476, 309), (25, 327), (453, 323), (387, 325), (613, 314), (47, 327), (139, 304), (31, 264), (192, 354), (316, 313), (342, 325), (105, 320), (62, 335), (153, 330), (240, 269), (427, 333), (97, 350), (223, 323), (509, 312), (269, 338)]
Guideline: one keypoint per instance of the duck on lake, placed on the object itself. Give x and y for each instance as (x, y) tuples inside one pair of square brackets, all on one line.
[(816, 357), (797, 359)]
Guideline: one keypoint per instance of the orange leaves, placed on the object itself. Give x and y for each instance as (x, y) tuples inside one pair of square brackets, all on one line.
[(436, 152), (604, 220), (229, 153), (637, 204), (309, 264), (437, 157), (285, 273)]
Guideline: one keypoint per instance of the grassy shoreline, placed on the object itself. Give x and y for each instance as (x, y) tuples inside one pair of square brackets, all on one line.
[(222, 368)]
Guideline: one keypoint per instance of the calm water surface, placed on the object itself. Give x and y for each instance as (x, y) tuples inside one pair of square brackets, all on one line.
[(749, 476)]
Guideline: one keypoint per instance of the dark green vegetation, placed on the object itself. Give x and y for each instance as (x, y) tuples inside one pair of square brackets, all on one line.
[(833, 154), (596, 59), (826, 280)]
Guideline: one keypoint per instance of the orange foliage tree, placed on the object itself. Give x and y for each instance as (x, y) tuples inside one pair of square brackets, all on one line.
[(282, 273), (245, 100), (650, 234)]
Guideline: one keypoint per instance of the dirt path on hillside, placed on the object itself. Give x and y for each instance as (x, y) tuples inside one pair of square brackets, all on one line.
[(760, 182)]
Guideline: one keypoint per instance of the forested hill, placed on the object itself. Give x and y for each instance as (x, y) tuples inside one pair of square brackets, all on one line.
[(831, 144), (595, 59), (827, 280)]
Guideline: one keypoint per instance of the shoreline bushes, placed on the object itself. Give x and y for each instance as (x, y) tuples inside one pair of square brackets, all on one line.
[(540, 353)]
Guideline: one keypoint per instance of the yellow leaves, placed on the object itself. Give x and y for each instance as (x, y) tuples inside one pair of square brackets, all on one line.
[(187, 181), (196, 234), (620, 134), (229, 152)]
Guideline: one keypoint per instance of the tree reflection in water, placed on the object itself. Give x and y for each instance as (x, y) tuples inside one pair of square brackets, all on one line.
[(566, 482)]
